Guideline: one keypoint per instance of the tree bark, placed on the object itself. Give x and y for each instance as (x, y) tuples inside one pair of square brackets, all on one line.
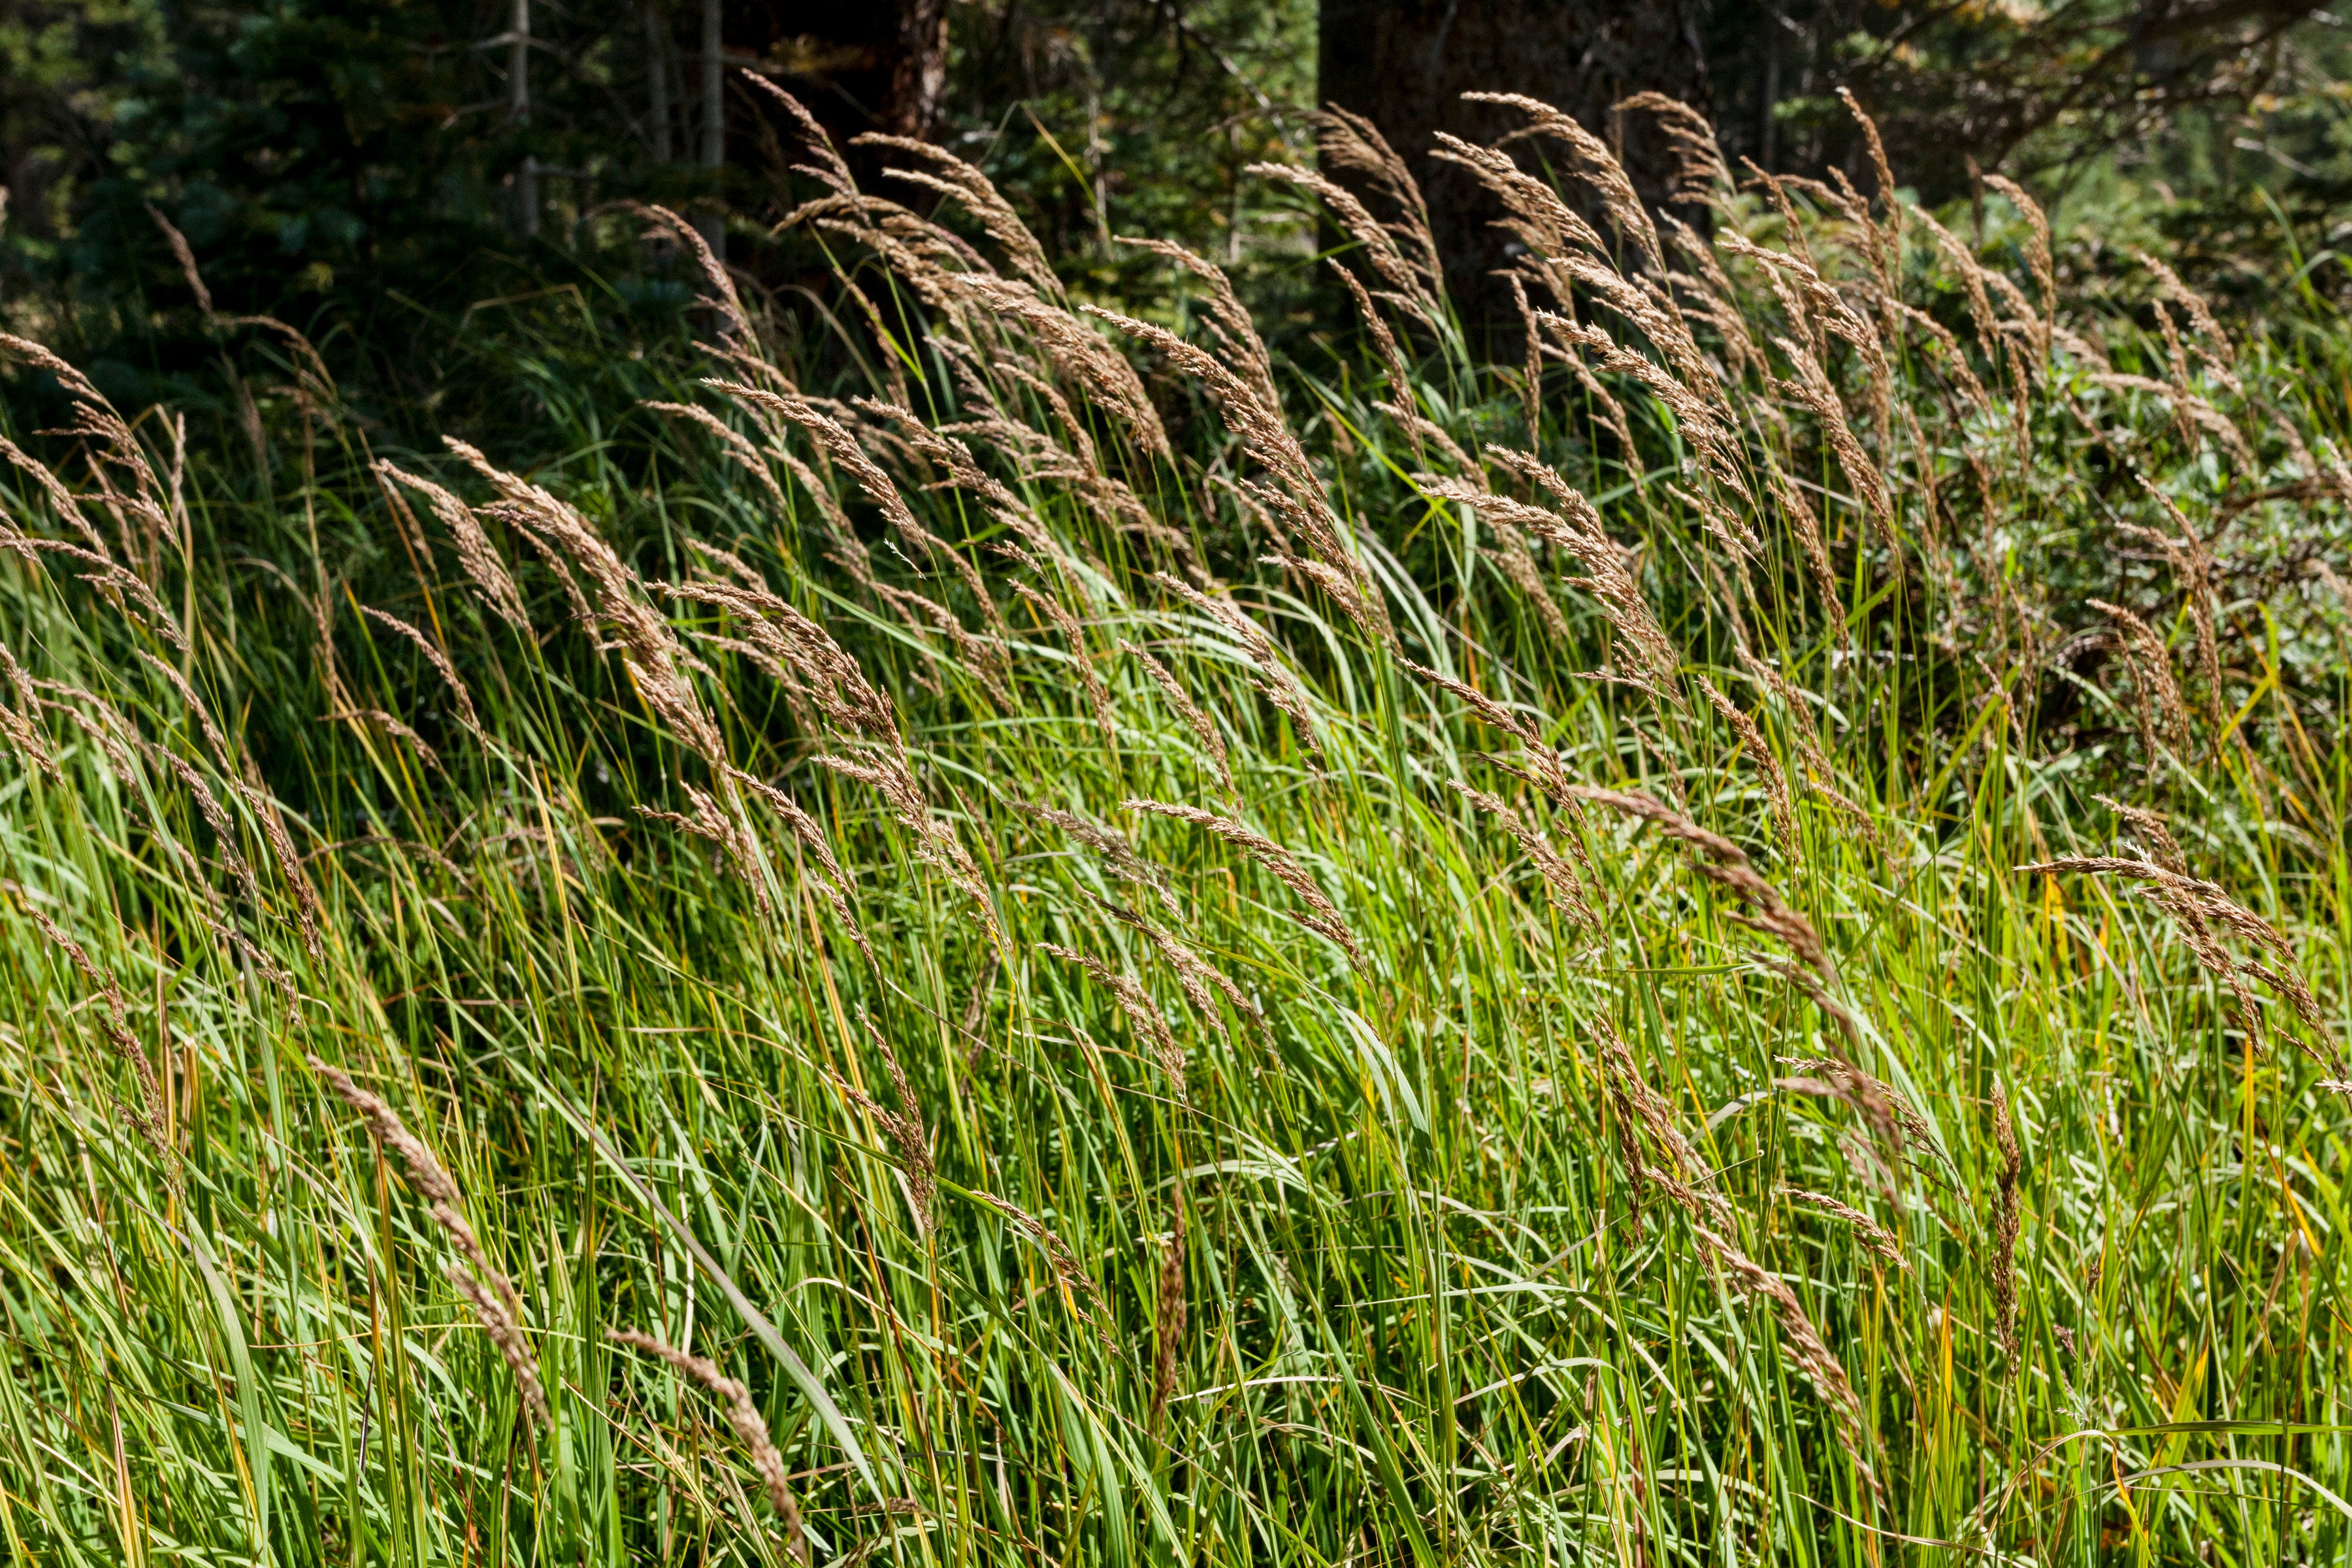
[(1405, 64), (525, 179), (918, 69), (713, 225), (881, 66), (657, 79)]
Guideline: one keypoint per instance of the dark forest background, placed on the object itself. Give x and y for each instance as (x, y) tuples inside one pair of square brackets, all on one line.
[(438, 192)]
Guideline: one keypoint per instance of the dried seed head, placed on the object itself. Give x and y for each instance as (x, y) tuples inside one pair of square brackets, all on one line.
[(2037, 249), (650, 650), (1725, 864), (264, 806), (2193, 570), (1297, 496), (1229, 319), (904, 1126), (1567, 890), (833, 172), (2164, 717), (1805, 1345), (1678, 1172), (1350, 140), (1534, 212), (1518, 564), (743, 1416), (2162, 846), (208, 805), (1211, 743), (1893, 1120), (20, 722), (721, 823), (1594, 164), (2198, 906), (2214, 346), (1070, 345), (733, 442), (1700, 178), (1875, 1235), (1141, 1011), (491, 1297), (803, 656), (1077, 1287), (475, 552), (1322, 917), (1278, 680), (1642, 644), (1776, 783), (1813, 391), (437, 659), (425, 1171), (2005, 1225), (936, 842), (385, 723), (1098, 694), (505, 1333), (147, 1116), (1118, 857), (950, 177), (1413, 287), (830, 880), (1198, 980), (1170, 1314), (735, 325), (1384, 342)]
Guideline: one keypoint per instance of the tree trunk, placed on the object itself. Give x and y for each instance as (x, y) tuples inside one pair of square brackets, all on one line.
[(713, 225), (1405, 64), (882, 65), (525, 179), (918, 69), (657, 79)]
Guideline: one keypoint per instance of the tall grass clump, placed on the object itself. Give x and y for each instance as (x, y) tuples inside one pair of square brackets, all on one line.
[(1722, 942)]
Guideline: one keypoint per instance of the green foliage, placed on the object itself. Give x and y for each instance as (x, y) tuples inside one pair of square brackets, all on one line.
[(2214, 133), (345, 167), (1134, 119), (349, 168), (64, 68)]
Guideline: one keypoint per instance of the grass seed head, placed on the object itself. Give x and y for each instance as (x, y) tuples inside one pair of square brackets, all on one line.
[(2005, 1226), (1170, 1314), (743, 1416)]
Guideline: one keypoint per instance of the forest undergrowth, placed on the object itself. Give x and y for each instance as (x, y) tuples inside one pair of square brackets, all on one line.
[(1725, 943)]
